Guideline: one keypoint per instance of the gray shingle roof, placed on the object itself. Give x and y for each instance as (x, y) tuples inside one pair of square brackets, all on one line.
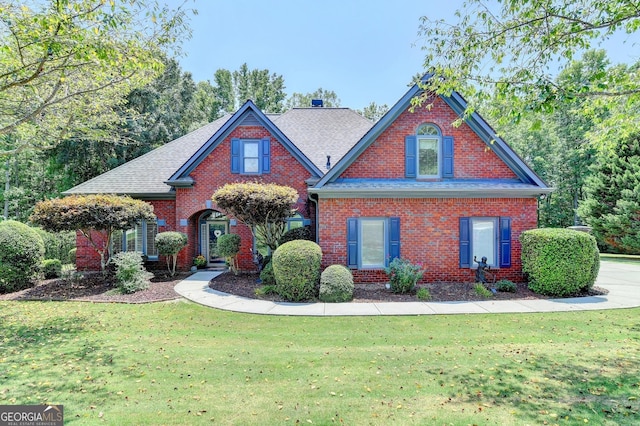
[(453, 188), (145, 175), (317, 132)]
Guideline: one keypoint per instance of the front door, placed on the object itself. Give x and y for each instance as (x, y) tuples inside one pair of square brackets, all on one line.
[(212, 226)]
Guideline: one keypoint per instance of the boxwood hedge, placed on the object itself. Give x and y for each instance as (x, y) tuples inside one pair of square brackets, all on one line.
[(559, 262)]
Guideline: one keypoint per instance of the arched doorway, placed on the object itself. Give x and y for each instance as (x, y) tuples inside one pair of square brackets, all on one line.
[(212, 225)]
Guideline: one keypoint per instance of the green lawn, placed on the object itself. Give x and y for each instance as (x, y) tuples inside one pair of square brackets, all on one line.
[(183, 364)]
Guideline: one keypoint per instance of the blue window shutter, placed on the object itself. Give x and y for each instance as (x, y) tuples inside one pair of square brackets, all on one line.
[(266, 155), (410, 154), (447, 157), (465, 243), (236, 148), (352, 242), (394, 239), (306, 222), (505, 242)]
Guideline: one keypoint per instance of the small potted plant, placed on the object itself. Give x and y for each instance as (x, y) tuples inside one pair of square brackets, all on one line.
[(200, 261)]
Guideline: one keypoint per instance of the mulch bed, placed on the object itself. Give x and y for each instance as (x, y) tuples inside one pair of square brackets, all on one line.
[(246, 284), (97, 287)]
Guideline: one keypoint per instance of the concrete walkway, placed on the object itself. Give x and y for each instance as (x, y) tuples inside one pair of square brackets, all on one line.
[(621, 279)]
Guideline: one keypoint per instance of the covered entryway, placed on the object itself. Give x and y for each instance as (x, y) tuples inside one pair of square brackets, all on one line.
[(212, 225)]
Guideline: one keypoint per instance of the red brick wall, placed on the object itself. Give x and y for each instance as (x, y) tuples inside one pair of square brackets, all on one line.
[(215, 171), (385, 157), (429, 231)]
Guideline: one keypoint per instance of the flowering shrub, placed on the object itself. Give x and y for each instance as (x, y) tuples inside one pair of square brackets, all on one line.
[(199, 260), (403, 275)]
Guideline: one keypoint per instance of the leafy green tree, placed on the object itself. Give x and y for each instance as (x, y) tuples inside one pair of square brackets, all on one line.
[(66, 64), (299, 100), (374, 111), (263, 207), (509, 47), (96, 217), (612, 205)]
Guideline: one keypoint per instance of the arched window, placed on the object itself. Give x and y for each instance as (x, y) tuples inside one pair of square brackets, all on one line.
[(429, 151)]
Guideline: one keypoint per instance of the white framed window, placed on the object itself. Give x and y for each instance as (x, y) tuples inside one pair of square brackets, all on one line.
[(429, 149), (141, 238), (484, 239), (250, 156), (373, 243)]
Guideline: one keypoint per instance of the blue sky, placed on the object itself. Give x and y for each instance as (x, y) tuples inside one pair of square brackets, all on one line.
[(364, 50)]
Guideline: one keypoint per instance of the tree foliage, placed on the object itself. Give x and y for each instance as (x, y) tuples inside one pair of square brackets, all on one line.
[(169, 244), (263, 207), (558, 144), (373, 111), (65, 65), (612, 205), (94, 216), (300, 100), (512, 47)]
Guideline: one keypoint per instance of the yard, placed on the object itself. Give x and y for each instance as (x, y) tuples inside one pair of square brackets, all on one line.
[(181, 363)]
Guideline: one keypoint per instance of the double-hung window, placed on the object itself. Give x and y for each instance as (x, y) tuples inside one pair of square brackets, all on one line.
[(251, 156), (488, 237), (428, 154), (141, 238), (372, 242), (429, 146)]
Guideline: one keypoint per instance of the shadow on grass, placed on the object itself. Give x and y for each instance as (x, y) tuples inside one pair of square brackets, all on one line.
[(541, 389)]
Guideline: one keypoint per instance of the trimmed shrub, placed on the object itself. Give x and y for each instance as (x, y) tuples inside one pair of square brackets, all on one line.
[(229, 247), (72, 255), (21, 252), (559, 262), (336, 284), (506, 286), (266, 275), (296, 266), (130, 273), (51, 268), (169, 245), (302, 233), (57, 244)]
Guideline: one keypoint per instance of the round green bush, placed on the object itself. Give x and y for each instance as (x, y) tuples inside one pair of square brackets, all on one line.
[(336, 284), (559, 262), (296, 266), (21, 252), (57, 244), (72, 255), (301, 233), (51, 268)]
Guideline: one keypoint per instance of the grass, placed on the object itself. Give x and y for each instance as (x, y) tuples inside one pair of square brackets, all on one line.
[(180, 363)]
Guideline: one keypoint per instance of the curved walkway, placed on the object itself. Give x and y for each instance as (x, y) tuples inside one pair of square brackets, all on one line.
[(621, 279)]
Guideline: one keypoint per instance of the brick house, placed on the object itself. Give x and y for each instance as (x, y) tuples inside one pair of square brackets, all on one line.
[(411, 185)]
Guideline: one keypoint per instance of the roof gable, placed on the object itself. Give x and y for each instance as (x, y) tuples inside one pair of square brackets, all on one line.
[(457, 103), (248, 114)]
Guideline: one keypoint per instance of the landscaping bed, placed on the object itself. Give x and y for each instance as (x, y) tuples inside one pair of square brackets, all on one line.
[(96, 287)]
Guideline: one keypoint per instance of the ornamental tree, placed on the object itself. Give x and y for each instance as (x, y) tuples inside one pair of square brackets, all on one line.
[(169, 245), (96, 217), (263, 207)]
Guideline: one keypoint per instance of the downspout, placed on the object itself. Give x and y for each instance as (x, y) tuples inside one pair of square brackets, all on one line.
[(314, 199)]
